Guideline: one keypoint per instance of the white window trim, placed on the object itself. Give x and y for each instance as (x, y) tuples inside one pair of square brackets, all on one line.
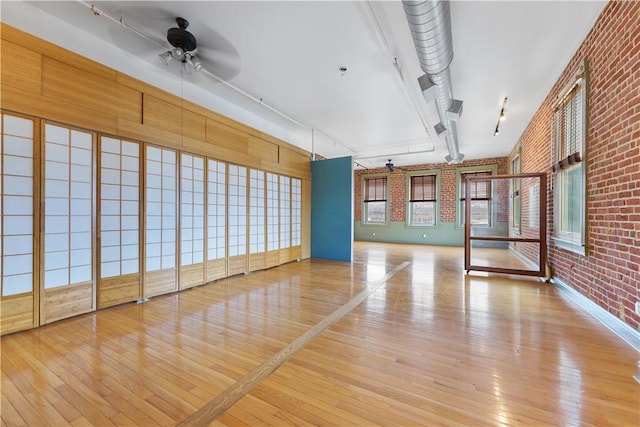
[(570, 241)]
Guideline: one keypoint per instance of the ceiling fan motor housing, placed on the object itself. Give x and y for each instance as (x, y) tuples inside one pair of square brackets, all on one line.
[(180, 37)]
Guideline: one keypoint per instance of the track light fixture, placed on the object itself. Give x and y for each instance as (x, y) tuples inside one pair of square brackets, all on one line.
[(501, 117)]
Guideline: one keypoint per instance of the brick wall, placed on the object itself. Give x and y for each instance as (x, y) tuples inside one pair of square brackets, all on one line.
[(610, 272), (398, 187)]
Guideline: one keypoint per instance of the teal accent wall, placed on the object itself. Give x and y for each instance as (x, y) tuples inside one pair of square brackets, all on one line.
[(332, 209), (445, 234)]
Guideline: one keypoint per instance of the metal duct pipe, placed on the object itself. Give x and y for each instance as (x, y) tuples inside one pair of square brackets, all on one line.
[(430, 25)]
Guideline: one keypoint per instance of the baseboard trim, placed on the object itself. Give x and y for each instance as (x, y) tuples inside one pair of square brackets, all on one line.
[(617, 326)]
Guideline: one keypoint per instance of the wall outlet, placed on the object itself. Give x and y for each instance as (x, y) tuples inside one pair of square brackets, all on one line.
[(638, 308)]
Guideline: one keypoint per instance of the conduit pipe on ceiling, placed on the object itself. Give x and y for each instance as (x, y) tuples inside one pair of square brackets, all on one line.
[(430, 25)]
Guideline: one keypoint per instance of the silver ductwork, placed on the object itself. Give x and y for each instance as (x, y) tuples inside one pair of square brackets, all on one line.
[(430, 25)]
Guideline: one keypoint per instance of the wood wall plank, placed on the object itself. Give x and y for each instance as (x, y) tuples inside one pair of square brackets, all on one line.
[(264, 150), (161, 114), (226, 137), (191, 275), (140, 132), (21, 68), (237, 265), (294, 163), (67, 301), (216, 269), (57, 109), (16, 313), (118, 290), (160, 282), (88, 90), (257, 261), (35, 44), (273, 258), (284, 256), (296, 253)]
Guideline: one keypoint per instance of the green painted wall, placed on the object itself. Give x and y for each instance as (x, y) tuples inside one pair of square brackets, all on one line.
[(446, 233)]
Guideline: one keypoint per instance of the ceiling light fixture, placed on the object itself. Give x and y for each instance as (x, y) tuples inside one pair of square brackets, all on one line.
[(501, 117), (184, 48)]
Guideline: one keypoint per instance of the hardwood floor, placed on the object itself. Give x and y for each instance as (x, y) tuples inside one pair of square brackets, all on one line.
[(375, 342)]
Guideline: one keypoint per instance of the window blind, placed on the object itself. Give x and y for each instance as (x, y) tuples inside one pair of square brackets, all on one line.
[(376, 190), (480, 189), (423, 188)]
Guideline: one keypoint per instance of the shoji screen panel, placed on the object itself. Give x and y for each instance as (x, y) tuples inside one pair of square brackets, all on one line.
[(273, 214), (160, 221), (192, 271), (216, 220), (119, 280), (285, 219), (237, 214), (296, 218), (68, 287), (19, 295), (257, 221)]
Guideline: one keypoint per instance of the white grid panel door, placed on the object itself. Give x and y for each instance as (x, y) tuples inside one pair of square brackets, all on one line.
[(237, 210), (119, 207), (216, 210), (16, 205), (296, 210), (161, 201), (257, 212), (273, 237), (285, 212), (192, 210), (68, 206)]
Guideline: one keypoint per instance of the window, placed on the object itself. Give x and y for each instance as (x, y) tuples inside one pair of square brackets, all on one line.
[(569, 123), (237, 185), (422, 200), (16, 206), (256, 212), (273, 197), (480, 196), (285, 212), (119, 208), (68, 212), (191, 210), (516, 188), (161, 203), (296, 210), (375, 200), (216, 210)]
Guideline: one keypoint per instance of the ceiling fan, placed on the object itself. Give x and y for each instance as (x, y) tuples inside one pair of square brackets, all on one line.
[(153, 25), (184, 47), (390, 166)]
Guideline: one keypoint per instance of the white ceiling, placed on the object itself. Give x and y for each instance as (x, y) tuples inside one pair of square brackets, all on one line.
[(288, 54)]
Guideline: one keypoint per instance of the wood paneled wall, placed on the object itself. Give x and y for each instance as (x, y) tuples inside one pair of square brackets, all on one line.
[(45, 81)]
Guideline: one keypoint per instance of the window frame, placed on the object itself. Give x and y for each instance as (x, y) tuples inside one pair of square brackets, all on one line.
[(387, 200), (436, 202), (493, 170), (567, 162)]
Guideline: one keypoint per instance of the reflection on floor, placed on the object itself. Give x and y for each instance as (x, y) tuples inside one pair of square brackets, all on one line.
[(428, 345)]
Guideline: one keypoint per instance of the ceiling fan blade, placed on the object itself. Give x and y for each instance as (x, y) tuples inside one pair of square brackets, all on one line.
[(218, 56)]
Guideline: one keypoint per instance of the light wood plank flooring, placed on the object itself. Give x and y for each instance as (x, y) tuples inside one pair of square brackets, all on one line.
[(399, 337)]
